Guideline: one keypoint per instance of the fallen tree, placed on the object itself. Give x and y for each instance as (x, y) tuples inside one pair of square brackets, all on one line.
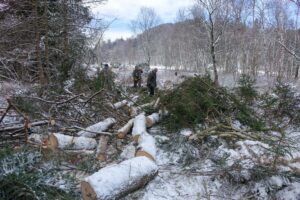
[(139, 126), (116, 181), (97, 129), (61, 141)]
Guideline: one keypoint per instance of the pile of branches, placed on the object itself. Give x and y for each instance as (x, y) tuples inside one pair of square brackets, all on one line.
[(197, 100)]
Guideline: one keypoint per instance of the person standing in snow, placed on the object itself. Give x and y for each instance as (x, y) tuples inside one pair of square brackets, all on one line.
[(137, 77), (151, 81)]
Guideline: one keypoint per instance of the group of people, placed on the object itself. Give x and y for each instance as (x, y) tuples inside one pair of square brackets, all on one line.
[(151, 79)]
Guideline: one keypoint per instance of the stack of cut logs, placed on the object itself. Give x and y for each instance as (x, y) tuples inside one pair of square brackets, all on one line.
[(118, 180)]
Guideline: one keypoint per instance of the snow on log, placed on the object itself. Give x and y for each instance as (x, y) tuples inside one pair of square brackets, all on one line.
[(61, 141), (152, 119), (146, 146), (116, 181), (120, 104), (121, 133), (101, 149), (91, 131), (139, 126)]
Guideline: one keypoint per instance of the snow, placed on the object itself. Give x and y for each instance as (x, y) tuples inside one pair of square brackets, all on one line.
[(291, 192), (99, 127), (128, 152), (147, 144), (186, 132), (108, 182)]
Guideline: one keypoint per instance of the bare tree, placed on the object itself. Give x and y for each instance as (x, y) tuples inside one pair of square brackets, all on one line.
[(215, 22), (146, 20)]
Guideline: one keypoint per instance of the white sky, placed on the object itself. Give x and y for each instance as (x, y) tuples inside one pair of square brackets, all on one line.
[(126, 10)]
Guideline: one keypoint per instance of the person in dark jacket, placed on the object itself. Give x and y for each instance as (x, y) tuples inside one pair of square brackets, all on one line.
[(151, 81), (137, 77)]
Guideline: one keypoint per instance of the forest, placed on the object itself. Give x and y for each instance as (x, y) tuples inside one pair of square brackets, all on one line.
[(203, 106)]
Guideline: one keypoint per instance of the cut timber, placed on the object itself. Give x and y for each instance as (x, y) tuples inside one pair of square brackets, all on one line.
[(146, 146), (139, 126), (101, 149), (134, 111), (156, 104), (60, 141), (120, 104), (152, 119), (121, 133), (91, 131), (133, 101), (116, 181)]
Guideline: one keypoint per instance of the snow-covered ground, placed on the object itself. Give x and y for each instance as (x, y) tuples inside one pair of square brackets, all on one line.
[(186, 172)]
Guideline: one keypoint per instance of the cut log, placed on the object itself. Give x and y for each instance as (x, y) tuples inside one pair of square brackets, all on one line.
[(91, 131), (133, 101), (116, 181), (101, 149), (60, 141), (146, 146), (152, 119), (139, 126), (121, 133), (134, 111), (120, 104), (156, 104)]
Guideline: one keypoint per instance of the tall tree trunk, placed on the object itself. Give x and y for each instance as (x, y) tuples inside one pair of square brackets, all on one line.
[(37, 44), (47, 74), (213, 52), (65, 24)]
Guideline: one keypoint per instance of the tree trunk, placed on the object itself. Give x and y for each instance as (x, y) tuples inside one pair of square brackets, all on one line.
[(152, 119), (101, 150), (125, 129), (91, 131), (47, 74), (116, 181), (146, 146), (139, 126), (37, 45), (60, 141)]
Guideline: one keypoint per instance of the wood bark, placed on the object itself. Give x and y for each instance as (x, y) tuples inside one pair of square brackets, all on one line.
[(121, 133), (60, 141), (146, 146), (139, 126), (101, 149), (152, 119), (116, 181), (91, 131)]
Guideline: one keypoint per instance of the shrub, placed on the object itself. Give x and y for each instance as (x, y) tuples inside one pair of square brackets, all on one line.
[(246, 89)]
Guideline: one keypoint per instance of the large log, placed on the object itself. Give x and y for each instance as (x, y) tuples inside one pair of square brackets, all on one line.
[(121, 133), (120, 104), (116, 181), (60, 141), (91, 131), (139, 126), (152, 119), (101, 149), (146, 146)]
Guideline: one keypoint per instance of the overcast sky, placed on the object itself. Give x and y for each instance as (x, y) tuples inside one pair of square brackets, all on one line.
[(126, 10)]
